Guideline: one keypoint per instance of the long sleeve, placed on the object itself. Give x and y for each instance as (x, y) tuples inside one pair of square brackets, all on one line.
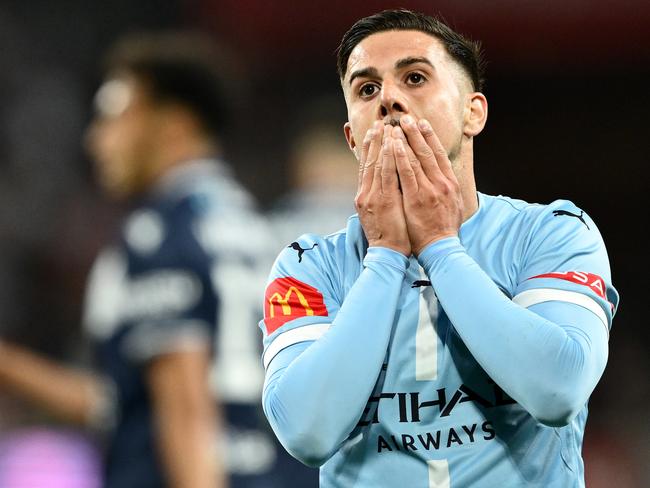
[(547, 357), (315, 391)]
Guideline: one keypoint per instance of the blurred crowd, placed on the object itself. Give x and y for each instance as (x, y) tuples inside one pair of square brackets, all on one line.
[(556, 129)]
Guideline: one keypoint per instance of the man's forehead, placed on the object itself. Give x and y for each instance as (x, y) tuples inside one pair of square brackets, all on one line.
[(383, 49)]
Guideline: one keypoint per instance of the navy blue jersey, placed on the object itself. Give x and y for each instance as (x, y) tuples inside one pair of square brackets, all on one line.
[(185, 272)]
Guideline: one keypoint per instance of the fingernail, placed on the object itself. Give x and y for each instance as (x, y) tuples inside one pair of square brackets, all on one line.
[(423, 124), (407, 119)]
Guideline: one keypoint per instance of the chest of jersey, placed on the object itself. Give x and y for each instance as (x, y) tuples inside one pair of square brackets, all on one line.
[(430, 381)]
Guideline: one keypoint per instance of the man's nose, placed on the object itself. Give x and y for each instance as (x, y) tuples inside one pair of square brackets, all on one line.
[(393, 103)]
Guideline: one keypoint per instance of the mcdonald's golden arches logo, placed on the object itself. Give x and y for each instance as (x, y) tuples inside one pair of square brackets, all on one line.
[(288, 298)]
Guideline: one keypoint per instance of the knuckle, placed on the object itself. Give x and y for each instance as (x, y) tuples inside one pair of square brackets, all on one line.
[(408, 172), (440, 152), (447, 188), (427, 152)]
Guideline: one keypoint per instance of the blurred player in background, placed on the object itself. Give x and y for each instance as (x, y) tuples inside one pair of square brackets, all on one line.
[(178, 286), (446, 338), (322, 176)]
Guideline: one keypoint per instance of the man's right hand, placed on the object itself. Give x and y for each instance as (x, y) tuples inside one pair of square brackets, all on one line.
[(379, 200)]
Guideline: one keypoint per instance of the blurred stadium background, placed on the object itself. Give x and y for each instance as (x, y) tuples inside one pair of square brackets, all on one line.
[(569, 118)]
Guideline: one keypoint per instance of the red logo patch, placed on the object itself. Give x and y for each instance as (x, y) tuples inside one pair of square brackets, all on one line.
[(595, 282), (287, 299)]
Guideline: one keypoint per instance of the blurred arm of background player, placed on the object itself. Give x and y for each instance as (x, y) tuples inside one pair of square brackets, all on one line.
[(182, 403), (185, 418), (72, 395)]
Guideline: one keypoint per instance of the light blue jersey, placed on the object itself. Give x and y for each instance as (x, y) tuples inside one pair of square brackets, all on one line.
[(470, 366)]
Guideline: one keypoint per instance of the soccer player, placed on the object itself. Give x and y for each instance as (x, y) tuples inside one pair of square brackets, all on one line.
[(445, 338), (180, 277)]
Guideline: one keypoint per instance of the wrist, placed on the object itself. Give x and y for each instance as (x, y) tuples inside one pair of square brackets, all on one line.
[(418, 249), (436, 252), (405, 250), (386, 256)]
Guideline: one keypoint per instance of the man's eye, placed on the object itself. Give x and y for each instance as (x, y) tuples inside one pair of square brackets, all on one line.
[(367, 90), (415, 78)]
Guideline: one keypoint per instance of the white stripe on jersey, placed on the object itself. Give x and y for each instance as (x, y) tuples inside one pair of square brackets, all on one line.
[(426, 338), (439, 473), (539, 295), (293, 336)]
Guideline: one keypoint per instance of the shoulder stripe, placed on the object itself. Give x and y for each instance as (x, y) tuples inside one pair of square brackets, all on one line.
[(539, 295), (291, 337)]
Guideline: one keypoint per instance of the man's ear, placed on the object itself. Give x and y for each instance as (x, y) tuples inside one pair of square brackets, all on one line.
[(476, 111), (349, 137)]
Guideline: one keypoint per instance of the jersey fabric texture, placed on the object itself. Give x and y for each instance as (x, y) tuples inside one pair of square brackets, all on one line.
[(470, 366), (182, 275)]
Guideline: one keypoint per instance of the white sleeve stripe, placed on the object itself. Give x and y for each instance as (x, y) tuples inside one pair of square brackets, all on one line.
[(293, 336), (539, 295)]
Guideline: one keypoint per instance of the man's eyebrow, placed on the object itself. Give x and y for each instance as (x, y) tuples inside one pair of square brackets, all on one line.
[(365, 73), (402, 63)]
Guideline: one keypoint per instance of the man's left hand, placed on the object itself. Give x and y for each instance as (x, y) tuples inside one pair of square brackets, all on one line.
[(433, 203)]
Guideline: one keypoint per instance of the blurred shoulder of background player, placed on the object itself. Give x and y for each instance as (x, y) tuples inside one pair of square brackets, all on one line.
[(150, 304)]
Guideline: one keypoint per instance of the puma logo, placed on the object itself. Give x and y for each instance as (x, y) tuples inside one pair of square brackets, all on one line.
[(419, 283), (557, 213), (297, 247)]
